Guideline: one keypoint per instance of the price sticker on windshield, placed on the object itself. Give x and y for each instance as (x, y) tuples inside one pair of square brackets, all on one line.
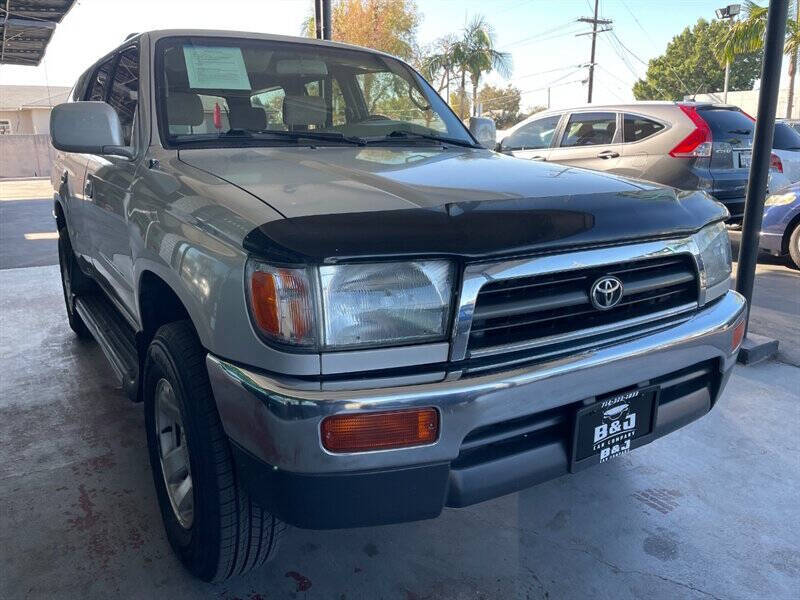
[(216, 68)]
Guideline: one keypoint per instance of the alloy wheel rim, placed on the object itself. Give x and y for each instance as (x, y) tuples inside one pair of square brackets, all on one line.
[(173, 453)]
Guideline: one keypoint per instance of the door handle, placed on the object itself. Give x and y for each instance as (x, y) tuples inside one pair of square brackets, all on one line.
[(608, 154), (88, 188), (538, 157)]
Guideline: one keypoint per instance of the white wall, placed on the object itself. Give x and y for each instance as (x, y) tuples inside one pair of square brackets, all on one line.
[(40, 120), (748, 101)]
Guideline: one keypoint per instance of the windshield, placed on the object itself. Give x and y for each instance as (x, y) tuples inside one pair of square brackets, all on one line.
[(215, 91)]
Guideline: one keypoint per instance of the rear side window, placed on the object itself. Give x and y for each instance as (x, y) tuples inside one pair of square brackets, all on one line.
[(590, 129), (125, 90), (100, 80), (636, 128), (786, 137), (726, 123), (534, 135)]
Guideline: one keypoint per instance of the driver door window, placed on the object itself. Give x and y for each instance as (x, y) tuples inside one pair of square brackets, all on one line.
[(125, 90)]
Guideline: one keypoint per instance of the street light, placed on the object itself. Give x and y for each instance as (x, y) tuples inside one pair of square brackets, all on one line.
[(727, 12)]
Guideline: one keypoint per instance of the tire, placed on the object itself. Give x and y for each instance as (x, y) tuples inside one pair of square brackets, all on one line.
[(224, 533), (73, 281), (794, 246)]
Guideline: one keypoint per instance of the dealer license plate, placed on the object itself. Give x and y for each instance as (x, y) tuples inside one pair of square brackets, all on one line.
[(613, 426), (744, 159)]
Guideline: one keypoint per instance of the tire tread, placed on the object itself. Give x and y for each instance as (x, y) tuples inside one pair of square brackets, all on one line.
[(244, 542)]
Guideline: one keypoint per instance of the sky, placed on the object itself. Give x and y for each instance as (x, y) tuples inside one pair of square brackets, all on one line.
[(539, 34)]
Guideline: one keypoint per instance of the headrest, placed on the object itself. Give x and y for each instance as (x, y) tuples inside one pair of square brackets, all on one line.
[(304, 110), (185, 109), (248, 117)]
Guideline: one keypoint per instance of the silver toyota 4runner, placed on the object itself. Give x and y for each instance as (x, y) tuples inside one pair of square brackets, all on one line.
[(340, 310)]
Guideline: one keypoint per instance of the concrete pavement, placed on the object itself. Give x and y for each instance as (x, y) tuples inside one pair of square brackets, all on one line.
[(708, 512)]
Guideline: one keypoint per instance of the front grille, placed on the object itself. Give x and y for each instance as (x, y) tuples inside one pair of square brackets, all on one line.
[(552, 314)]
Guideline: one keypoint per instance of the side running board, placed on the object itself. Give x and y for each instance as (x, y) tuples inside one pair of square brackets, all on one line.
[(115, 336)]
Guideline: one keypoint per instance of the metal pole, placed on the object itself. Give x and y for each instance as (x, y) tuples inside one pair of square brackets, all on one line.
[(762, 146), (318, 18), (594, 43), (326, 19), (727, 76)]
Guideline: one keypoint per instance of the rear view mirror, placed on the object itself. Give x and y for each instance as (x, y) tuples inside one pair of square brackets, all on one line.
[(87, 128), (484, 131)]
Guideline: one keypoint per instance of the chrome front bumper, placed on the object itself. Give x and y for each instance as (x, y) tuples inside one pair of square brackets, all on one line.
[(280, 425)]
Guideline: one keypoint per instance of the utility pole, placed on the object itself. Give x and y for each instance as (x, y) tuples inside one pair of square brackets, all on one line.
[(322, 19), (595, 22), (326, 19), (318, 18)]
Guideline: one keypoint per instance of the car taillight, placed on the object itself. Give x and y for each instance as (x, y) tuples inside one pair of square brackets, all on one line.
[(698, 143), (775, 163)]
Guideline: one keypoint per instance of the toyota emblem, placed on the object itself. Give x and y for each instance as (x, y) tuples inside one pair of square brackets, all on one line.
[(606, 292)]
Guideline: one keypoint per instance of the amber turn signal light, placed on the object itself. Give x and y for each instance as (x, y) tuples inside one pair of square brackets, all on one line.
[(362, 432), (738, 335)]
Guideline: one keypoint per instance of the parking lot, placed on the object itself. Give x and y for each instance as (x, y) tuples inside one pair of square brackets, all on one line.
[(708, 512)]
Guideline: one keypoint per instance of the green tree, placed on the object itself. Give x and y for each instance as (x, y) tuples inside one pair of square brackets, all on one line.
[(386, 25), (688, 66), (747, 35), (502, 104), (478, 54), (471, 54)]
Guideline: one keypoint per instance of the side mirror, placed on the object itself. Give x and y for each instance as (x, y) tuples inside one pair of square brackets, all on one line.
[(87, 128), (484, 130)]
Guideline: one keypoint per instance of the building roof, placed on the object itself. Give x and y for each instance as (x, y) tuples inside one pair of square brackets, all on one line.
[(26, 28), (16, 97)]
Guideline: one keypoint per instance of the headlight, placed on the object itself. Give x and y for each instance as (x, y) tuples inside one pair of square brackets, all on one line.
[(715, 255), (386, 303), (780, 199), (353, 305)]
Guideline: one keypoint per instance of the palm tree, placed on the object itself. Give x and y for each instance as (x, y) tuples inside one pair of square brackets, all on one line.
[(472, 54), (747, 35), (476, 54)]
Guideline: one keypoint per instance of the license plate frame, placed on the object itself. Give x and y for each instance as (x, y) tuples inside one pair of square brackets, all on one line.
[(642, 403)]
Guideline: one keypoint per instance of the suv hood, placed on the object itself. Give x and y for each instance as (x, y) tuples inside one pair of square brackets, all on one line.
[(343, 202)]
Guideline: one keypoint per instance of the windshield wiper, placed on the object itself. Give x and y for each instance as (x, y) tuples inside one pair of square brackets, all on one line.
[(270, 134), (408, 135), (326, 136), (740, 131)]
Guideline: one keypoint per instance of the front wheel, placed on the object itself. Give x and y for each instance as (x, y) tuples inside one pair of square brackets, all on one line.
[(73, 281), (211, 523), (794, 246)]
